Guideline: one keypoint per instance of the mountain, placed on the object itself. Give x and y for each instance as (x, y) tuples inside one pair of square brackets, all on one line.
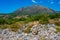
[(30, 10), (34, 9), (58, 11)]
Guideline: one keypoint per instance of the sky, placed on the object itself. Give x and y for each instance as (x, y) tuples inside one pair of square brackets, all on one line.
[(8, 6)]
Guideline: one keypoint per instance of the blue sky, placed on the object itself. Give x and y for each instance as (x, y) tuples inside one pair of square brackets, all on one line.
[(7, 6)]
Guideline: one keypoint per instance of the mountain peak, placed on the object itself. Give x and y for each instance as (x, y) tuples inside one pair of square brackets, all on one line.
[(33, 10)]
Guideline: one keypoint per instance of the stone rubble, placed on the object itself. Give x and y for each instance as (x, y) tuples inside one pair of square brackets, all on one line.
[(37, 32)]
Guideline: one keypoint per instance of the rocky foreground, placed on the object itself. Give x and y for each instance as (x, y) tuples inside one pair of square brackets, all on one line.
[(37, 32)]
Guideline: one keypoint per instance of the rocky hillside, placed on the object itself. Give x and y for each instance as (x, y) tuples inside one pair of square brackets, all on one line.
[(37, 32)]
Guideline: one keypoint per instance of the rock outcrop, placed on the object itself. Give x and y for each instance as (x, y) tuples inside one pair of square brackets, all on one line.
[(37, 32)]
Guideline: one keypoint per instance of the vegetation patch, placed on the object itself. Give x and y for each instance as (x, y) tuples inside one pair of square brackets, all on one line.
[(58, 29), (57, 23), (16, 23), (28, 29)]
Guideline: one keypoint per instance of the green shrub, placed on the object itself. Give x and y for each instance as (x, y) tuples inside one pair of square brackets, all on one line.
[(4, 26), (14, 27), (2, 21), (35, 17), (58, 29), (57, 23), (43, 22), (9, 22), (28, 29), (22, 19)]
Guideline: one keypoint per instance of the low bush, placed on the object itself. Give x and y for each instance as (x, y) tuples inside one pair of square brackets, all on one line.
[(57, 23), (28, 29), (57, 29)]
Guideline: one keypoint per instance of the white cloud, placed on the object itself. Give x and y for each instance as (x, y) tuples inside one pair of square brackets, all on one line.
[(34, 1)]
